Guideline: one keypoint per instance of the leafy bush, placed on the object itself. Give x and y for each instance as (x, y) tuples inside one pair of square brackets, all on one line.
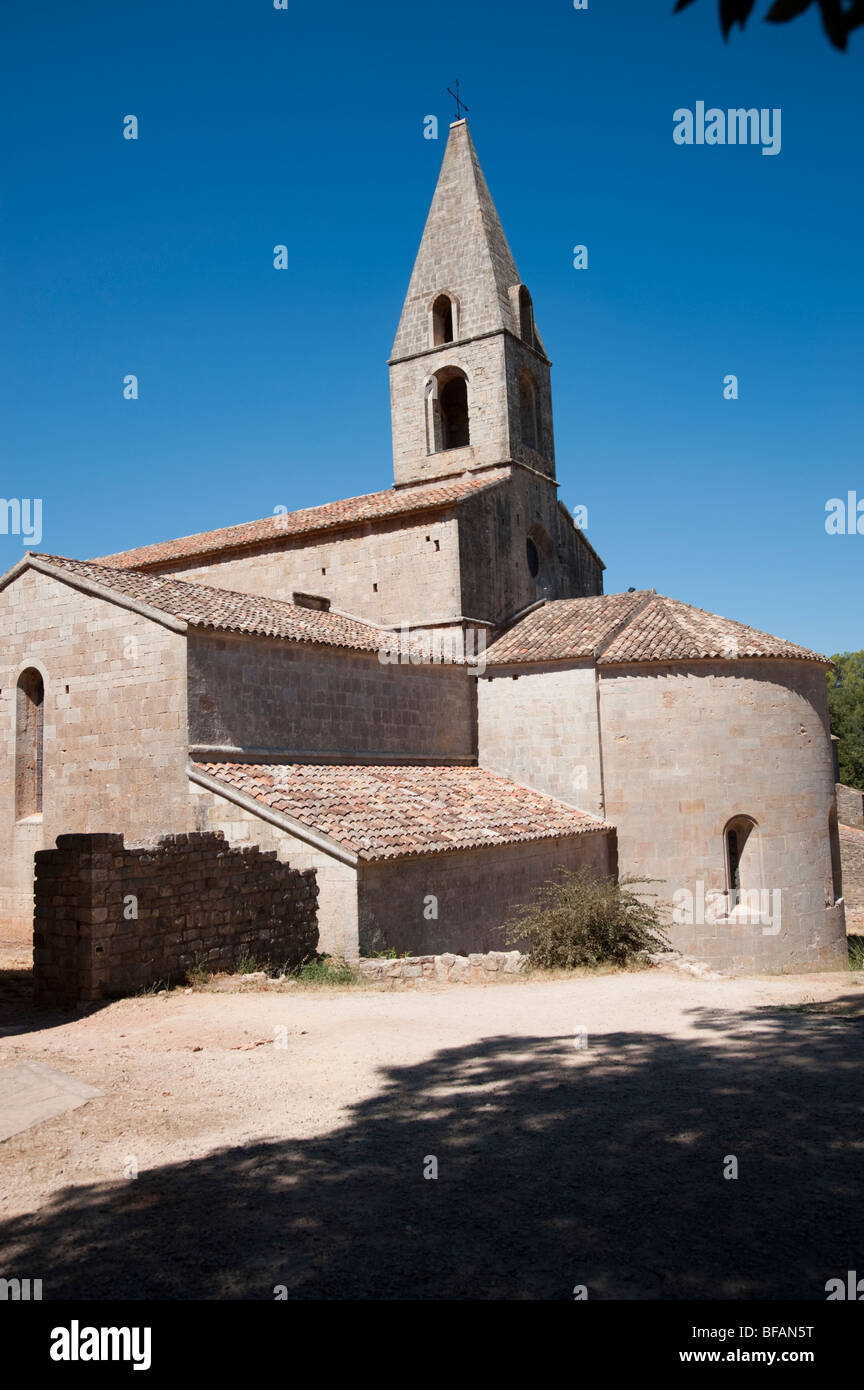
[(846, 706), (580, 919), (249, 965), (326, 970)]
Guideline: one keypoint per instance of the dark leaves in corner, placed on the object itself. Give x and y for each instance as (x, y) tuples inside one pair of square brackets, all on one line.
[(839, 17)]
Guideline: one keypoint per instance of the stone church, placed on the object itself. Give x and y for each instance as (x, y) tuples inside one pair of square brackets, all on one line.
[(244, 679)]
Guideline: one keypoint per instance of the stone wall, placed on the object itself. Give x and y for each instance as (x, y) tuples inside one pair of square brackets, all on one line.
[(491, 966), (688, 746), (258, 694), (470, 563), (457, 901), (484, 364), (852, 856), (850, 806), (110, 920), (114, 726), (388, 571), (539, 726), (336, 880), (494, 527)]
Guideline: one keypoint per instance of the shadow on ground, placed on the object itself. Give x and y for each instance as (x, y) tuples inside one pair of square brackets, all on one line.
[(556, 1167), (19, 1014)]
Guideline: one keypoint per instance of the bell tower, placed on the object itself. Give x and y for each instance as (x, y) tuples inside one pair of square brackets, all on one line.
[(469, 376)]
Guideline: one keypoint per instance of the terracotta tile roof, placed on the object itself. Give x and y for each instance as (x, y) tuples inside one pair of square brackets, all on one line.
[(565, 628), (642, 626), (202, 605), (373, 506), (667, 630), (383, 812)]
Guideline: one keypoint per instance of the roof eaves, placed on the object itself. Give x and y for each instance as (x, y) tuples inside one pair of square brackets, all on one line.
[(88, 586), (315, 838), (230, 548)]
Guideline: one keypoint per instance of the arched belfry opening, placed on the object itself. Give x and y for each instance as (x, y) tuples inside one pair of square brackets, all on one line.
[(455, 433), (526, 317), (529, 424), (443, 320), (447, 415), (29, 739), (466, 333)]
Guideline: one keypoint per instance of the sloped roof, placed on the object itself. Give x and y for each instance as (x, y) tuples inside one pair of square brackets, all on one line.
[(385, 812), (464, 251), (372, 506), (668, 630), (202, 605), (565, 628), (642, 626)]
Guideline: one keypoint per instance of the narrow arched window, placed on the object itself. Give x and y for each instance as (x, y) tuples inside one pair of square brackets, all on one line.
[(529, 431), (538, 555), (742, 861), (526, 317), (442, 320), (29, 736), (836, 864), (453, 406)]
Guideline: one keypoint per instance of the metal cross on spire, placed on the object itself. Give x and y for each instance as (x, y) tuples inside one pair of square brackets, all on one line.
[(458, 101)]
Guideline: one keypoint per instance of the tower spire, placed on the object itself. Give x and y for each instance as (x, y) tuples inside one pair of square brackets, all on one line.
[(469, 374)]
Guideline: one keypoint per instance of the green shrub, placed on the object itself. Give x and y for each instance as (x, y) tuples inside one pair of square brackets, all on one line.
[(580, 919), (249, 965), (198, 975), (326, 970), (856, 952)]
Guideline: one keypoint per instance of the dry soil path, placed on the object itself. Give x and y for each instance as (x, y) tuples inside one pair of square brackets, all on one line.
[(282, 1138)]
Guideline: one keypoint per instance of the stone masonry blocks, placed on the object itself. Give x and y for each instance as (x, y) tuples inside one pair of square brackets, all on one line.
[(110, 920)]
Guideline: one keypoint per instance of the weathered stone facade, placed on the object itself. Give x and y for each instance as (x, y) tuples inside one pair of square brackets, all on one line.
[(671, 754), (491, 339), (202, 685), (689, 747), (541, 726), (852, 855), (114, 725), (471, 893), (387, 572), (110, 920), (261, 695), (335, 876)]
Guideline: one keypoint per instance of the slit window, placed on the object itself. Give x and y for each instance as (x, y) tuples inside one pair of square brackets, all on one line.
[(29, 741)]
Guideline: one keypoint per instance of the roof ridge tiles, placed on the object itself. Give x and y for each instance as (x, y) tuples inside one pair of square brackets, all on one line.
[(343, 513), (211, 607)]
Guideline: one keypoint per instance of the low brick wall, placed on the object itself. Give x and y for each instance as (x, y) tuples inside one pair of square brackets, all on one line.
[(110, 920), (850, 806), (488, 965)]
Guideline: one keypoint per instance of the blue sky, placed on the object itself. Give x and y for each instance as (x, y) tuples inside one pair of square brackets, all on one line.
[(261, 388)]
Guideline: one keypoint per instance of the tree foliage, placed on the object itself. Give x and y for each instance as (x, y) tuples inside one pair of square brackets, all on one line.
[(839, 17), (846, 707)]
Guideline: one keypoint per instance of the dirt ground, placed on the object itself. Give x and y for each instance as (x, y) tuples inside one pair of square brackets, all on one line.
[(281, 1138)]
